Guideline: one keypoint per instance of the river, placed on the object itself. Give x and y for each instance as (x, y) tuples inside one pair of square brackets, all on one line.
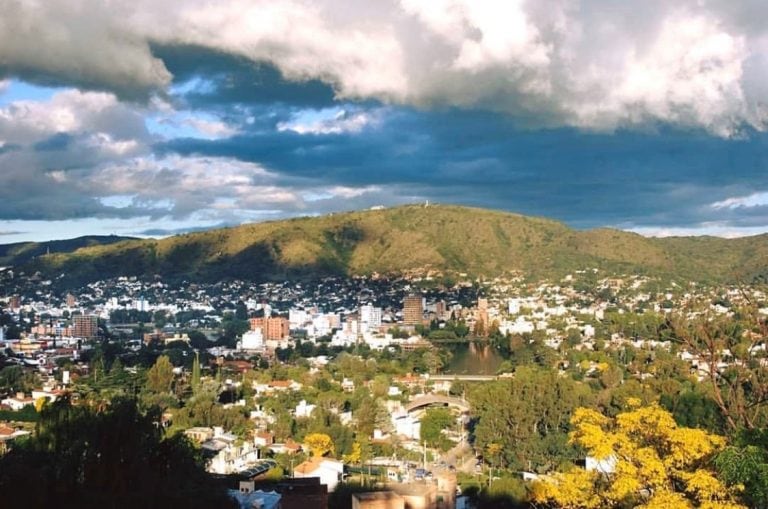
[(472, 359)]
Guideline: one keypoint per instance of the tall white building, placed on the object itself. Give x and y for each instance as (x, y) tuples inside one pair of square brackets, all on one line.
[(370, 318)]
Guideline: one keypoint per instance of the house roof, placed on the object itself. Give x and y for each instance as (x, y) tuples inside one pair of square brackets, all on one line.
[(309, 466), (290, 444), (314, 463)]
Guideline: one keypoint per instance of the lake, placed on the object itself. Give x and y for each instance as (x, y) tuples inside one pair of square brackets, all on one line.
[(472, 359)]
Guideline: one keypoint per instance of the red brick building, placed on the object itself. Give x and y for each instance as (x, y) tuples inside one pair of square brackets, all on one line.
[(85, 326), (272, 328)]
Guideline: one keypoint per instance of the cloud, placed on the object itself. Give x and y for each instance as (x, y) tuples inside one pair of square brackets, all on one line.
[(211, 128), (88, 155), (753, 200), (593, 65), (81, 43), (204, 78), (167, 232), (331, 121), (70, 111), (713, 229), (50, 148)]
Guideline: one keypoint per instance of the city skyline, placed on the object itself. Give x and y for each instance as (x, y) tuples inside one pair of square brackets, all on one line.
[(154, 118)]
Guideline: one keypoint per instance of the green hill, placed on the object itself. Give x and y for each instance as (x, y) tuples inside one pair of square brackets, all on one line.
[(20, 253), (442, 237)]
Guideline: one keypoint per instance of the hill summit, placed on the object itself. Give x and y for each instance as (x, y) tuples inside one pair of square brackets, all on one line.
[(400, 239)]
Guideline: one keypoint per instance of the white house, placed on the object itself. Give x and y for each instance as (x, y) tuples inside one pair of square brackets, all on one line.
[(328, 470), (17, 402), (407, 425), (303, 409), (227, 454)]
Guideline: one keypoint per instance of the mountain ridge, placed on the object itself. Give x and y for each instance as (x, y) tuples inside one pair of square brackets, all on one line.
[(18, 253), (400, 239)]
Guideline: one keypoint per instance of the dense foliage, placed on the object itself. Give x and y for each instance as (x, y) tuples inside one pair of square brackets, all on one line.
[(113, 458), (651, 462)]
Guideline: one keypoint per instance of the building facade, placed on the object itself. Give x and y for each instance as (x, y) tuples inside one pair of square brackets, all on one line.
[(413, 310), (85, 326)]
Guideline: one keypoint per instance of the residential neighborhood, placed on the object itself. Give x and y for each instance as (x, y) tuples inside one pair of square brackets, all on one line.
[(389, 372)]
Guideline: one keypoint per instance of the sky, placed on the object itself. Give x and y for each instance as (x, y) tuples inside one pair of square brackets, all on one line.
[(154, 117)]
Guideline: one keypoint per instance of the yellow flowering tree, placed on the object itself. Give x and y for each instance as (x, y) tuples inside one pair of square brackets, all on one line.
[(653, 463), (319, 443), (355, 455)]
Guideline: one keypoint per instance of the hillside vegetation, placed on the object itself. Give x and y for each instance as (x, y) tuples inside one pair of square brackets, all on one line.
[(22, 252), (441, 237)]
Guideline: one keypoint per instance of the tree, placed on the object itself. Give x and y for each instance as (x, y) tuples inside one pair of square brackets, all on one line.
[(241, 311), (17, 379), (435, 420), (198, 340), (739, 385), (458, 388), (160, 318), (113, 458), (355, 455), (160, 376), (319, 443), (746, 463), (195, 382), (655, 462), (528, 416)]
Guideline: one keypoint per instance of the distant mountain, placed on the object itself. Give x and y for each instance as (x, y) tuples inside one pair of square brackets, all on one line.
[(20, 253), (399, 239)]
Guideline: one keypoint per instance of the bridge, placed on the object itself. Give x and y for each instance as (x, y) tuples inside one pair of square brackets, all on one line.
[(464, 378), (437, 400)]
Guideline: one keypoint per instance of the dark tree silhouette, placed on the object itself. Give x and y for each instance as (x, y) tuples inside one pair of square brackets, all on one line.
[(110, 458)]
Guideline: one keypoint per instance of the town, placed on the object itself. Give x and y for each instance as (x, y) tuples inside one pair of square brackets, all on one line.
[(371, 391)]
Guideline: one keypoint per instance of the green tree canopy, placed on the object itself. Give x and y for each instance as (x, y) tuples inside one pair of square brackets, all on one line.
[(160, 376), (435, 420)]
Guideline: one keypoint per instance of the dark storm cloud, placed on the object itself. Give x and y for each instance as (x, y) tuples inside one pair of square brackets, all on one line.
[(57, 142), (664, 177), (227, 79)]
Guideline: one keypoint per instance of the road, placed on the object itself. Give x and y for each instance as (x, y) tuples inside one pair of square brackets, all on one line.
[(462, 457)]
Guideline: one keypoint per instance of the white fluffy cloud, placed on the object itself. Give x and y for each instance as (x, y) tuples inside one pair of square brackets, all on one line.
[(222, 189), (596, 64), (73, 112)]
